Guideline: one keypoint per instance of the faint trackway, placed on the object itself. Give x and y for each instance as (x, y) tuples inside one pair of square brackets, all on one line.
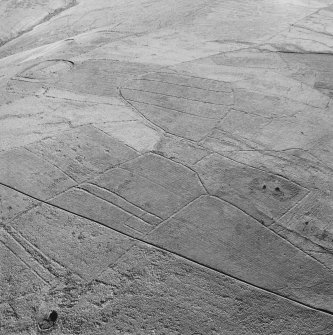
[(142, 240)]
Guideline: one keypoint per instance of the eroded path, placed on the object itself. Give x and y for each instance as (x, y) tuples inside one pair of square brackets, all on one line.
[(167, 168)]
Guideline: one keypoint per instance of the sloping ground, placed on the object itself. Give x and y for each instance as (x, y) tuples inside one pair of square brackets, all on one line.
[(166, 167), (19, 17)]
